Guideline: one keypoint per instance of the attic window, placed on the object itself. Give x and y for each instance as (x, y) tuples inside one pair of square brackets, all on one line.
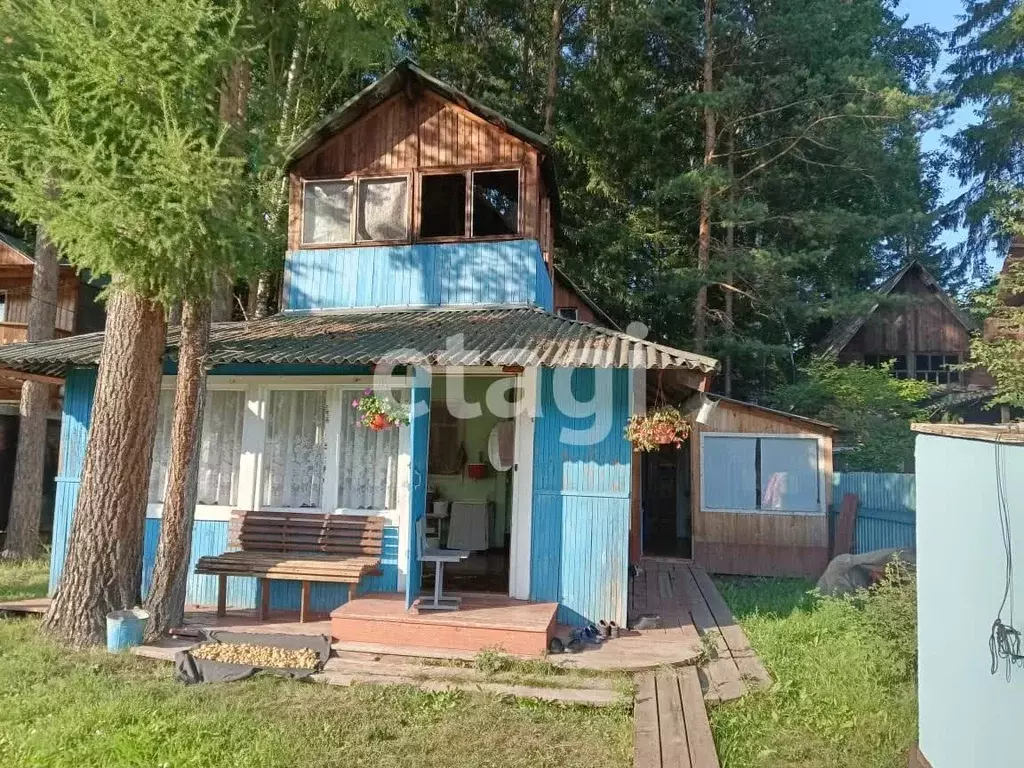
[(495, 203), (443, 205), (383, 209), (327, 212), (569, 313), (3, 306)]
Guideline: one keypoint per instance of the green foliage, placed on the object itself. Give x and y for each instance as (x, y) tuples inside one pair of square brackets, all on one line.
[(110, 136), (872, 409), (69, 710), (840, 697), (987, 76), (889, 613), (1001, 350)]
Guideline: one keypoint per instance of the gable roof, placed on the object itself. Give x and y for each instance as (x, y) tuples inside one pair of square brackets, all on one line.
[(591, 304), (18, 246), (844, 330)]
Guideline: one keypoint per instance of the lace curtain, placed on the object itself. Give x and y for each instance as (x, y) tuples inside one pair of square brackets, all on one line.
[(367, 464), (295, 450), (327, 212), (220, 448), (383, 209)]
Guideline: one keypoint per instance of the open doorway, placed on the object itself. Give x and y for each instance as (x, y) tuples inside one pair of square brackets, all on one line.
[(470, 481), (666, 495)]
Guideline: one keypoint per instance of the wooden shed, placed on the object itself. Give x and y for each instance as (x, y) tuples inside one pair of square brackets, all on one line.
[(747, 494)]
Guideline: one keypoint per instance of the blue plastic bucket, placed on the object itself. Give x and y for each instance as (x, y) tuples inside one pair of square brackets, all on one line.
[(125, 629)]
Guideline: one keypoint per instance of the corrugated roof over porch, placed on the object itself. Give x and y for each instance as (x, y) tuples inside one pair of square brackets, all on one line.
[(505, 336)]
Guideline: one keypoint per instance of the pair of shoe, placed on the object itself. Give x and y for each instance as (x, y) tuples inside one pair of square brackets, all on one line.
[(608, 629)]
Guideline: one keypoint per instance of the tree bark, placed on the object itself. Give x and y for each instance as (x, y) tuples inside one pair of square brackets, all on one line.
[(166, 599), (700, 318), (730, 275), (22, 540), (554, 58), (103, 568)]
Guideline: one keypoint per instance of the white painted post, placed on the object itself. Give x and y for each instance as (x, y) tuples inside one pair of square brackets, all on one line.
[(522, 489)]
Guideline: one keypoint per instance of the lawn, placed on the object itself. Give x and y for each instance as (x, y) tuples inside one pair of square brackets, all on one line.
[(843, 697), (96, 709)]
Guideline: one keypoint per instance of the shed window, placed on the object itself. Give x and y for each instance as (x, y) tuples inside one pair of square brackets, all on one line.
[(935, 368), (495, 203), (383, 209), (220, 450), (754, 474), (295, 450), (443, 205), (327, 212), (3, 306), (569, 313), (898, 363)]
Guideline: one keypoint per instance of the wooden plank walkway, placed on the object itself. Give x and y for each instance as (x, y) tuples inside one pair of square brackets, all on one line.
[(672, 729), (687, 602)]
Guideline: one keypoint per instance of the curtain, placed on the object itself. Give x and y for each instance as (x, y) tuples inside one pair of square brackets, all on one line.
[(367, 464), (789, 474), (383, 209), (220, 449), (294, 453), (327, 212), (730, 473)]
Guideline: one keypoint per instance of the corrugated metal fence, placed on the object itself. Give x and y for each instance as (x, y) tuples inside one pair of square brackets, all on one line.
[(886, 516)]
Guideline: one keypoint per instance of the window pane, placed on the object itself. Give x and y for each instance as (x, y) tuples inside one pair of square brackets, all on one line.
[(495, 203), (730, 474), (922, 362), (789, 474), (368, 464), (936, 362), (220, 449), (899, 363), (327, 212), (569, 313), (443, 207), (294, 455), (383, 209), (952, 359), (3, 307), (161, 448)]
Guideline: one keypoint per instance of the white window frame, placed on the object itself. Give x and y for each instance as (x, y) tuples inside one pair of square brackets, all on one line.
[(822, 495)]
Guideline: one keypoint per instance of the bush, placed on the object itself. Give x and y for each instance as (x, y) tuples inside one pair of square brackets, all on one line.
[(889, 611)]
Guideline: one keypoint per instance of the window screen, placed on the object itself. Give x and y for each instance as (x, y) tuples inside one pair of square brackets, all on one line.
[(495, 203), (749, 474), (730, 473), (383, 209), (295, 450), (443, 205), (327, 212), (220, 450), (789, 474)]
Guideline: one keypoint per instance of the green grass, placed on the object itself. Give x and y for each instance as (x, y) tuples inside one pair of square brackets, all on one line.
[(20, 581), (94, 709), (840, 700)]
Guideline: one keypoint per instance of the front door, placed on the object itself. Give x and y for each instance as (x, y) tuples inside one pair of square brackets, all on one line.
[(666, 500)]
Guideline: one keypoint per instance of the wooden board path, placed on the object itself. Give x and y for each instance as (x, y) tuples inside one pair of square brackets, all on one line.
[(672, 728)]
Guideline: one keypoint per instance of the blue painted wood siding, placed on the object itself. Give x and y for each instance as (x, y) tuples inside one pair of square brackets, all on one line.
[(74, 434), (419, 437), (421, 275), (579, 549)]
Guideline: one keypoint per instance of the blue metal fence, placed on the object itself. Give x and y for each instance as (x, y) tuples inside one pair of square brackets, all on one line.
[(886, 516)]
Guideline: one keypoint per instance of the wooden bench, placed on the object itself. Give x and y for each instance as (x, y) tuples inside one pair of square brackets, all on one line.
[(296, 546)]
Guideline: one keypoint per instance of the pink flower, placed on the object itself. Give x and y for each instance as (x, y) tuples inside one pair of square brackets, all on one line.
[(355, 403), (367, 391)]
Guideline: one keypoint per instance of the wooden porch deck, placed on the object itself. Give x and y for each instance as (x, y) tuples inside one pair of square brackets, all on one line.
[(690, 606)]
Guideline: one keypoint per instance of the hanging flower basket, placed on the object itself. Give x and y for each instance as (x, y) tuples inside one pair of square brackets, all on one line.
[(379, 413), (662, 426)]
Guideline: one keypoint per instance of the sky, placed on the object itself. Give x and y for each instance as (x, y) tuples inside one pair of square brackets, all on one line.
[(942, 14)]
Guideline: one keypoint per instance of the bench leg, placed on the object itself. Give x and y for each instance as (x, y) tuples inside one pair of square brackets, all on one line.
[(222, 595), (304, 603), (264, 609)]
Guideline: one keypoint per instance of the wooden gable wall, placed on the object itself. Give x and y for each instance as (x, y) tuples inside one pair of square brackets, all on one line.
[(404, 134), (923, 325)]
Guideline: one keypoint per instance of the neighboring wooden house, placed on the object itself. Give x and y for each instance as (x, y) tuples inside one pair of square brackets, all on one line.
[(572, 303), (76, 313), (914, 324)]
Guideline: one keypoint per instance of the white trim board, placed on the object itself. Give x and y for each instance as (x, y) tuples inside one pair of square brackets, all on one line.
[(522, 491)]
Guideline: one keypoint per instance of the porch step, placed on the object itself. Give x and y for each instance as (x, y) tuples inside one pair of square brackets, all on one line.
[(483, 622), (589, 691)]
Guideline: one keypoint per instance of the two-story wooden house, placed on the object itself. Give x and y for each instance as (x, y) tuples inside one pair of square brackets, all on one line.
[(419, 261), (77, 312)]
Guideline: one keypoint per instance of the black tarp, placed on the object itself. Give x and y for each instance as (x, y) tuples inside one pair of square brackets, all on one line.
[(189, 669), (848, 573)]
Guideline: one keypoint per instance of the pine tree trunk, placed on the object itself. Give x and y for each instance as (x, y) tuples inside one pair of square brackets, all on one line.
[(554, 57), (22, 540), (700, 318), (730, 276), (166, 599), (103, 568)]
